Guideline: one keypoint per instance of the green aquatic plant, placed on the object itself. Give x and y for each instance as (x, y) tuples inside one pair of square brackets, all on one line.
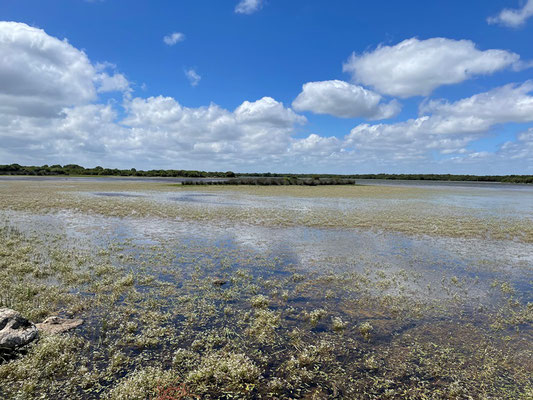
[(366, 329), (338, 324), (263, 325), (141, 384), (316, 315), (225, 372), (259, 301)]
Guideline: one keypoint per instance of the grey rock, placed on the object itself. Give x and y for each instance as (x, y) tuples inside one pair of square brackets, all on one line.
[(55, 325), (15, 330)]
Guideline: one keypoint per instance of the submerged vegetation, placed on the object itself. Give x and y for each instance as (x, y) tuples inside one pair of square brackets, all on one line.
[(190, 314), (411, 211)]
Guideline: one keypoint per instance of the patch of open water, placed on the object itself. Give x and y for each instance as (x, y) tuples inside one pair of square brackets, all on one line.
[(423, 260)]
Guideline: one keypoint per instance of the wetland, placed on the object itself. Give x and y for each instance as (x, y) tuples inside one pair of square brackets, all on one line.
[(373, 291)]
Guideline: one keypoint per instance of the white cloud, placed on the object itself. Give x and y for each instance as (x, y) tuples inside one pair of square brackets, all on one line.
[(344, 100), (417, 67), (155, 132), (112, 83), (79, 134), (521, 150), (40, 74), (174, 38), (515, 154), (267, 111), (406, 141), (248, 6), (513, 17), (255, 129), (316, 146), (193, 76), (509, 103), (445, 127)]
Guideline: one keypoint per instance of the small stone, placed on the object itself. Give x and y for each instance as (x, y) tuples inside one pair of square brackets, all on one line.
[(54, 325), (15, 330)]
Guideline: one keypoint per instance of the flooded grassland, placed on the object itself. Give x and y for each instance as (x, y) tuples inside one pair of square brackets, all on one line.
[(363, 292)]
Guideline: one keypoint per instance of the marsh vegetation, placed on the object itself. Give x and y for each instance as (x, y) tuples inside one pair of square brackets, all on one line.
[(355, 292)]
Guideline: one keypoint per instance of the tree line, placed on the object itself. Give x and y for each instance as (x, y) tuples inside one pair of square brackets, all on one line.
[(408, 177), (77, 170)]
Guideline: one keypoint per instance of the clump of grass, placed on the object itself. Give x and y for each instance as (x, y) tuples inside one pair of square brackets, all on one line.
[(370, 362), (264, 325), (145, 383), (185, 360), (338, 324), (259, 301), (225, 372), (51, 358), (316, 315), (365, 329)]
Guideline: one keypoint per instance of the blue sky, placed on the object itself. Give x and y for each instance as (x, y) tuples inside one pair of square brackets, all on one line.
[(433, 87)]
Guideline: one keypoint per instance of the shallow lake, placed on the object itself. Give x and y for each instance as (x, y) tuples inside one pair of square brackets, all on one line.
[(317, 285)]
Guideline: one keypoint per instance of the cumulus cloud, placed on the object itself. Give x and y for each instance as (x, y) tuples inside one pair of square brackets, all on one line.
[(193, 76), (517, 155), (156, 132), (316, 146), (521, 150), (446, 127), (513, 17), (40, 74), (406, 141), (173, 38), (80, 134), (509, 103), (248, 6), (416, 67), (267, 111), (344, 100), (112, 83), (261, 128)]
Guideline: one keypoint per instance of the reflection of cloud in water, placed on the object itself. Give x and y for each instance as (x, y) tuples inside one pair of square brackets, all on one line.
[(426, 260), (470, 201)]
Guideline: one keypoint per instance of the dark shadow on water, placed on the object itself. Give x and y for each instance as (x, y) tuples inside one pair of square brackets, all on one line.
[(108, 194)]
